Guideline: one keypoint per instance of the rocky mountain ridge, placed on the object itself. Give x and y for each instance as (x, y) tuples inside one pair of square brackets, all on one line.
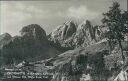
[(33, 40), (70, 35)]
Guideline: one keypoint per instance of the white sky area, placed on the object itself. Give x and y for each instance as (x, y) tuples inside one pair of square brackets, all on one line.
[(49, 14)]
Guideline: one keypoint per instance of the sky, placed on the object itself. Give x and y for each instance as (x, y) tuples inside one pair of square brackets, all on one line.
[(51, 13)]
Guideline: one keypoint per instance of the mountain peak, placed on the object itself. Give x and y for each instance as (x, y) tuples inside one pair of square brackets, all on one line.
[(72, 35), (33, 30), (4, 39), (5, 36), (69, 22)]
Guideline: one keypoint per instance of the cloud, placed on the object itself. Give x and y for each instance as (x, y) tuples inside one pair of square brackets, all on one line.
[(10, 16), (81, 12), (11, 12), (14, 16), (49, 14)]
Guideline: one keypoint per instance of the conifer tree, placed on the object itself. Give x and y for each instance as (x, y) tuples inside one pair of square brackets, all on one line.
[(115, 21)]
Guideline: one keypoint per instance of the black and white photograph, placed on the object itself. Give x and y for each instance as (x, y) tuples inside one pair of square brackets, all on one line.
[(63, 40)]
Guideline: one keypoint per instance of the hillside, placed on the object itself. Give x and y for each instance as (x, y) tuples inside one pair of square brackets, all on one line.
[(93, 61), (32, 45)]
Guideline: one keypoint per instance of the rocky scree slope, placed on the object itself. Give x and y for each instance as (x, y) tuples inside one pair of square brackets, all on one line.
[(71, 65), (93, 61)]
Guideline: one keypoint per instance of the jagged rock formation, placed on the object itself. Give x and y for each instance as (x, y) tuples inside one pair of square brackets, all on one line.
[(84, 35), (31, 45), (70, 36), (61, 38), (64, 31)]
